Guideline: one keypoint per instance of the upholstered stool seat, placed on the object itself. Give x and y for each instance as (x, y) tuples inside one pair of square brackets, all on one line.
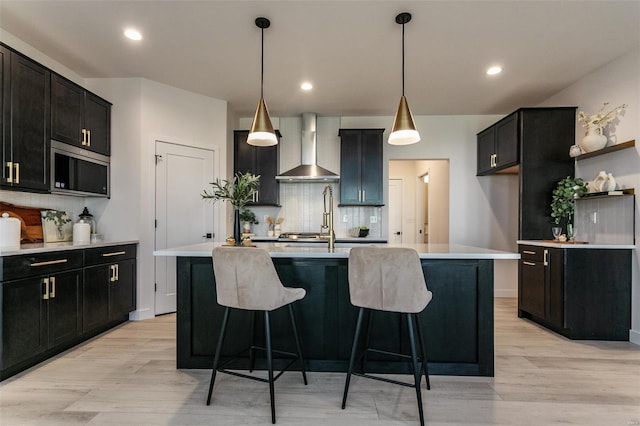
[(388, 279), (246, 279)]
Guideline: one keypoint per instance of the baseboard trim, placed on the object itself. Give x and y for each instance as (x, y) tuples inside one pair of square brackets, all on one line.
[(141, 314), (634, 337), (505, 292)]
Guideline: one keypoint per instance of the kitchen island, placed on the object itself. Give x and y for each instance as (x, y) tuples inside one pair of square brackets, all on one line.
[(458, 323)]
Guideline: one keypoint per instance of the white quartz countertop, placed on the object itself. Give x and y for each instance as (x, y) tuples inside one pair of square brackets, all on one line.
[(543, 243), (67, 245), (315, 250)]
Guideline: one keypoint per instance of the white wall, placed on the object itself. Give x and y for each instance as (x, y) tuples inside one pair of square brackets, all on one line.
[(617, 82), (145, 112)]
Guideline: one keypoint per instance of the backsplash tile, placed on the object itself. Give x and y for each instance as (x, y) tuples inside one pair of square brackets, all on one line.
[(302, 208), (72, 205), (614, 220)]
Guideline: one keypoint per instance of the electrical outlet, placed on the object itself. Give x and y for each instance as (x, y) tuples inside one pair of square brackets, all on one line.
[(373, 219), (345, 218)]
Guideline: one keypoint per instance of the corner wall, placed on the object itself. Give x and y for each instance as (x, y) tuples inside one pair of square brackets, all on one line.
[(617, 82)]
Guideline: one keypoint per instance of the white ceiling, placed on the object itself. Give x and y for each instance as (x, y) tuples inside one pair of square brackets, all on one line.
[(350, 50)]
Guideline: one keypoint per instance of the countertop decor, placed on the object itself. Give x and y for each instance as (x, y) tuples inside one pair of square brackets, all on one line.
[(563, 199)]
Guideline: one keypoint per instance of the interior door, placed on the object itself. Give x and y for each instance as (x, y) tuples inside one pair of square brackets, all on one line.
[(182, 216), (395, 210)]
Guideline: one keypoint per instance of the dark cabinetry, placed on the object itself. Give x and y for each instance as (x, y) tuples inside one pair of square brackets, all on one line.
[(40, 305), (25, 123), (109, 285), (51, 301), (533, 142), (258, 160), (361, 167), (78, 117), (498, 147), (579, 293)]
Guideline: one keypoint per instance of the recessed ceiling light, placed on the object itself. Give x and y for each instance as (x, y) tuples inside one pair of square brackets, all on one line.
[(494, 70), (306, 86), (132, 34)]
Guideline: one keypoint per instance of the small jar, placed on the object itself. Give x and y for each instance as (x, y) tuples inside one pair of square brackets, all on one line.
[(86, 217)]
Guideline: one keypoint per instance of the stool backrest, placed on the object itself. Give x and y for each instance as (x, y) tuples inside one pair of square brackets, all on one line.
[(387, 279), (246, 279)]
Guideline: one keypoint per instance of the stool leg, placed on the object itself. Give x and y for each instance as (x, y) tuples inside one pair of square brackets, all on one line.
[(366, 339), (423, 350), (417, 373), (267, 337), (216, 358), (353, 357), (295, 335), (252, 356)]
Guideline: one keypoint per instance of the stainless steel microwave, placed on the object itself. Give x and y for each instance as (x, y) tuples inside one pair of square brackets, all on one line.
[(76, 171)]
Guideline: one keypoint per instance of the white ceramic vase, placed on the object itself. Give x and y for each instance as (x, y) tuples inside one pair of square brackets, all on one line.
[(593, 139)]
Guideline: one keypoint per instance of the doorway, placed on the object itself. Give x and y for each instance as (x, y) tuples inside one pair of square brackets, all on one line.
[(182, 217), (424, 203)]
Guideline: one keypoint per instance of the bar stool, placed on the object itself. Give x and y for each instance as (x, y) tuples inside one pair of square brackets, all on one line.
[(246, 279), (388, 279)]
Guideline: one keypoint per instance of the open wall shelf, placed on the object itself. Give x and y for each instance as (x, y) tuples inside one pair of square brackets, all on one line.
[(606, 150)]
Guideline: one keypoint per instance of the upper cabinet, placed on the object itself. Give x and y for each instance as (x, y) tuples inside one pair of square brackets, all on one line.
[(498, 147), (25, 123), (361, 167), (258, 160), (539, 140), (78, 117)]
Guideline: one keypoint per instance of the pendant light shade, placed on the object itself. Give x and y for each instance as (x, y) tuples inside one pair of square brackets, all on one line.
[(261, 133), (404, 131)]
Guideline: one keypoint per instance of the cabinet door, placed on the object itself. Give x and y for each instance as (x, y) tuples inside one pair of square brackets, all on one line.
[(371, 167), (506, 142), (28, 129), (67, 105), (5, 116), (555, 288), (95, 297), (64, 314), (261, 161), (97, 121), (122, 291), (24, 320), (350, 154), (486, 145), (531, 294)]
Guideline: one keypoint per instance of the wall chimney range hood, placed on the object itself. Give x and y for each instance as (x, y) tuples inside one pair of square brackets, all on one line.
[(308, 171)]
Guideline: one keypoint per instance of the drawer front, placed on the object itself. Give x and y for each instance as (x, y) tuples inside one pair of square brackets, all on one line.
[(29, 265), (111, 254), (532, 253)]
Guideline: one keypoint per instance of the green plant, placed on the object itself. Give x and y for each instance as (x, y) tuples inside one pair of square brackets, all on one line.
[(59, 218), (238, 191), (247, 215), (563, 198)]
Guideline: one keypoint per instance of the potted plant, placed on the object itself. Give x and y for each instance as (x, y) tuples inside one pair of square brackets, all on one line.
[(237, 191), (248, 218), (563, 200)]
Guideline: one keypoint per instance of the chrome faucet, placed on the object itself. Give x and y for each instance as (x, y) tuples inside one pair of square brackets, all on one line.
[(327, 218)]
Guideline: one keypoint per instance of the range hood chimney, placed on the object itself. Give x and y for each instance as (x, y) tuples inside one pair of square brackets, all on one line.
[(308, 171)]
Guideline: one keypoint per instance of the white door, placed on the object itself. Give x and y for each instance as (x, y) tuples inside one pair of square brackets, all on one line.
[(182, 216), (395, 210)]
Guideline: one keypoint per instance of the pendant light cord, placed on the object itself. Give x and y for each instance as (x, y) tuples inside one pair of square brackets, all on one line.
[(402, 59), (262, 64)]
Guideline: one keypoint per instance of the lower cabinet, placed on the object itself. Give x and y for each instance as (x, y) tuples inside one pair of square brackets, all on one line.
[(109, 291), (580, 293), (54, 300)]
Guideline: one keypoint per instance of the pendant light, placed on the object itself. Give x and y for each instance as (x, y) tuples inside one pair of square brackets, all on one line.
[(261, 133), (404, 130)]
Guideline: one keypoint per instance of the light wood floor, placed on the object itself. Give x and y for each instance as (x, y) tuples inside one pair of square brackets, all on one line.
[(128, 377)]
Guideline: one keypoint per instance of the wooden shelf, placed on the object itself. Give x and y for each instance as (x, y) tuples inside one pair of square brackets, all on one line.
[(606, 150), (616, 193)]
